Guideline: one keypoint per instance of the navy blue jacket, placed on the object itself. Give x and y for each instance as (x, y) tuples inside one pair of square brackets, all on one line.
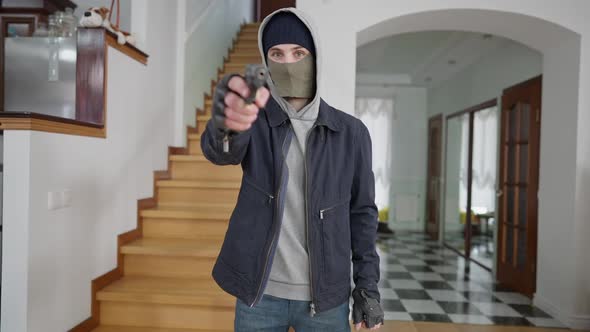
[(340, 203)]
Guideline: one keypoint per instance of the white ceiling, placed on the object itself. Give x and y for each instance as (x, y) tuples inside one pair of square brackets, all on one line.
[(421, 58)]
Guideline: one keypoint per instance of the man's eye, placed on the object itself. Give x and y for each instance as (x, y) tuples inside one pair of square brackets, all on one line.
[(276, 55), (300, 54)]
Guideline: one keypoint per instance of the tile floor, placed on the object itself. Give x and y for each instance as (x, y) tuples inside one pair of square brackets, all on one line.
[(421, 281)]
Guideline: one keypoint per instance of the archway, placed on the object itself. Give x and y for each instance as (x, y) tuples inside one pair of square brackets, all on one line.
[(561, 50)]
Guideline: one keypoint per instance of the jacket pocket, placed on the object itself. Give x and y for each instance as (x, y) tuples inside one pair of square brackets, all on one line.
[(248, 230), (265, 197), (335, 228)]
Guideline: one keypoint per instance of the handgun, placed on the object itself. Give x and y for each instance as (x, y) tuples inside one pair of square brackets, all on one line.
[(255, 77)]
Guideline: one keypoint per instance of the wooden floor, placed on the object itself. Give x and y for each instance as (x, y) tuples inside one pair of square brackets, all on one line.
[(398, 326)]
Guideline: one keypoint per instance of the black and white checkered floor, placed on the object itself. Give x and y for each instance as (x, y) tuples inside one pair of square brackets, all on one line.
[(422, 281)]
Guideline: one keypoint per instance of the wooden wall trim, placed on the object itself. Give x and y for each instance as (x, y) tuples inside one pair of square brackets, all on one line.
[(39, 122), (127, 49)]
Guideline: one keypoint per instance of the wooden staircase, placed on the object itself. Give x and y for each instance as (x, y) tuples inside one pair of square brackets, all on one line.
[(163, 282)]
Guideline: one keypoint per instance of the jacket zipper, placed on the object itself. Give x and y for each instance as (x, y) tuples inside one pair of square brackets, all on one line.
[(312, 307), (270, 197), (258, 292), (322, 211)]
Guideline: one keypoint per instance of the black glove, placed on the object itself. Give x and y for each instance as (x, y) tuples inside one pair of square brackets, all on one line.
[(366, 309), (218, 107), (255, 77)]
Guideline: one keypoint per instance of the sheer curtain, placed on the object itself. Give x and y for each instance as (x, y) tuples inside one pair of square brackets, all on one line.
[(485, 136), (377, 115)]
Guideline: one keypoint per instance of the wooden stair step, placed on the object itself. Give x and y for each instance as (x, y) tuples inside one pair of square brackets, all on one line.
[(248, 37), (201, 292), (247, 54), (172, 247), (203, 118), (188, 157), (189, 190), (239, 63), (167, 316), (250, 30), (235, 67), (197, 167), (245, 59), (246, 49), (199, 184), (194, 144), (194, 148), (147, 329), (247, 46), (187, 223), (196, 211), (194, 136)]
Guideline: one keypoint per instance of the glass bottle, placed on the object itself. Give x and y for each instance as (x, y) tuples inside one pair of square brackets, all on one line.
[(52, 26), (69, 21), (41, 30), (59, 21)]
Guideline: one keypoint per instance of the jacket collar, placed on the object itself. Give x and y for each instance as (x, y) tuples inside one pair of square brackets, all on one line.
[(326, 115)]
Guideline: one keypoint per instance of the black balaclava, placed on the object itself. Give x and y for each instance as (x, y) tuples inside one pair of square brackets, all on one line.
[(291, 79)]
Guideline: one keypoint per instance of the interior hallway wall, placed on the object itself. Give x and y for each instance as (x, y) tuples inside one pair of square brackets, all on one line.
[(53, 255), (562, 32)]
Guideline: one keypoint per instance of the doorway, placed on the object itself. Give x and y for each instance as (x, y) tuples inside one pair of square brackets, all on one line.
[(434, 176), (264, 7), (519, 185)]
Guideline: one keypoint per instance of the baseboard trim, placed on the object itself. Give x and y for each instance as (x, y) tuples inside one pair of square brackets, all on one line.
[(577, 322), (545, 305)]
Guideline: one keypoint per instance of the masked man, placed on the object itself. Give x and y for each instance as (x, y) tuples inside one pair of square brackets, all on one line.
[(306, 207)]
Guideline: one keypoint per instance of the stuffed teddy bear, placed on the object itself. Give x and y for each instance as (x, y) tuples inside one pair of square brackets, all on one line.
[(96, 17)]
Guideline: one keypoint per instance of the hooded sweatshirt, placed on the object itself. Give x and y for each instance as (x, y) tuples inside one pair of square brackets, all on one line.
[(290, 274)]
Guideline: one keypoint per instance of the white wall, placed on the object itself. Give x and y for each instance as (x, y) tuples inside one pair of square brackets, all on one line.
[(408, 145), (51, 256), (545, 25), (208, 39), (507, 65), (194, 10)]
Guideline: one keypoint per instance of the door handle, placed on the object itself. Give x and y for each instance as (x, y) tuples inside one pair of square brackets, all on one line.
[(499, 193)]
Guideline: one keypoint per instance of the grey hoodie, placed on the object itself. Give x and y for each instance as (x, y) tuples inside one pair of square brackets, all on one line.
[(289, 276)]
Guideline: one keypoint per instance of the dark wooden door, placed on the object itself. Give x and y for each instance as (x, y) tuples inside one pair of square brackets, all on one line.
[(519, 183), (265, 7), (433, 176)]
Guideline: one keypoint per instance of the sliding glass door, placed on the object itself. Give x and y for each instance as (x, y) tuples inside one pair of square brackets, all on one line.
[(470, 182)]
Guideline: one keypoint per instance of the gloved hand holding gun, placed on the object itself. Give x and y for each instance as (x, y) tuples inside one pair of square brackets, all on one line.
[(237, 100)]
